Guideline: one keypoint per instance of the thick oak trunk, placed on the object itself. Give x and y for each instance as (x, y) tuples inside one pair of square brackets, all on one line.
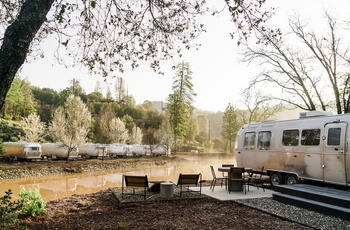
[(17, 39)]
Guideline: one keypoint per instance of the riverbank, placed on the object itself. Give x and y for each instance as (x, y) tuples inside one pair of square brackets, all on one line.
[(18, 170)]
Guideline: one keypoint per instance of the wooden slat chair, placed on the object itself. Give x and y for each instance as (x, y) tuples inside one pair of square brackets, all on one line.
[(135, 182), (187, 180)]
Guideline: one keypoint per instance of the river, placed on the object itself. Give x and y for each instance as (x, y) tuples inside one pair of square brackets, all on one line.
[(59, 186)]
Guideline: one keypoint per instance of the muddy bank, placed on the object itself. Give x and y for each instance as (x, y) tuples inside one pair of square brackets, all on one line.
[(47, 168)]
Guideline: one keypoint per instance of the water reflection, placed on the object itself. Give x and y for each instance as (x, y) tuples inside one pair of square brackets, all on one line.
[(66, 185)]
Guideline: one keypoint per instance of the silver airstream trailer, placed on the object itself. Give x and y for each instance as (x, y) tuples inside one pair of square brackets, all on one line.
[(118, 150), (22, 150), (58, 150), (92, 150), (313, 147)]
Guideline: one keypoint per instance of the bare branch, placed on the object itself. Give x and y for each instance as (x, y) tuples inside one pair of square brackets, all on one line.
[(310, 79)]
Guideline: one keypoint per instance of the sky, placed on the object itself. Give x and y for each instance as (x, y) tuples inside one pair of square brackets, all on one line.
[(218, 75)]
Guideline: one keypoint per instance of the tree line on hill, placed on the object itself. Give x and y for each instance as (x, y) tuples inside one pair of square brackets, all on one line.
[(23, 100), (72, 117)]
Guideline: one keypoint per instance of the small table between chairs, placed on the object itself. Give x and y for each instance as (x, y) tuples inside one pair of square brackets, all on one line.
[(235, 185), (165, 189), (155, 186)]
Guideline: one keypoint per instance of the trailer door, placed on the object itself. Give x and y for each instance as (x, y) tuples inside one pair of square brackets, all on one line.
[(334, 151)]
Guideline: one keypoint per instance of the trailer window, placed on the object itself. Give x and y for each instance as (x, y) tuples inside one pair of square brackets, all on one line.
[(264, 139), (310, 137), (34, 148), (249, 141), (290, 137), (334, 136)]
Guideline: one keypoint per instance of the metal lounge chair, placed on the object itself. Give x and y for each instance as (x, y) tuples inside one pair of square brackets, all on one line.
[(187, 180), (255, 178), (226, 165), (213, 182), (135, 182)]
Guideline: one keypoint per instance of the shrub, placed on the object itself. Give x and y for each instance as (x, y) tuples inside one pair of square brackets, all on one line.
[(32, 202), (8, 208)]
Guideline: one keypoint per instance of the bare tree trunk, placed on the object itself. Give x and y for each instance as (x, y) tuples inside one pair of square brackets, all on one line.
[(17, 39), (68, 154)]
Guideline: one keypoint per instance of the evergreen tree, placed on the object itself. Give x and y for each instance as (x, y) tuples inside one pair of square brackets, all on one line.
[(120, 91), (76, 88), (180, 102), (29, 103), (19, 101), (183, 85), (229, 125), (109, 96), (14, 100), (192, 131)]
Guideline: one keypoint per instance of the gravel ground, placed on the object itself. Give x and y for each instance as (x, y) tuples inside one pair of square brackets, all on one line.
[(300, 215)]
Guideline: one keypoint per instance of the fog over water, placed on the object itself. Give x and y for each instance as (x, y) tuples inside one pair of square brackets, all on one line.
[(58, 186)]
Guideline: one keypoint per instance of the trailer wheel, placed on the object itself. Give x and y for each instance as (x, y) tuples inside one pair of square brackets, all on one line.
[(275, 179), (291, 179)]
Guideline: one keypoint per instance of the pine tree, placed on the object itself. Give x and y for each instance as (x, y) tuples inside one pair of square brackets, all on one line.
[(120, 90), (180, 106), (229, 125)]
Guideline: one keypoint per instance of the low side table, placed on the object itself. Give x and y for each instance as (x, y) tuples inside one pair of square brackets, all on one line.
[(166, 190), (156, 186)]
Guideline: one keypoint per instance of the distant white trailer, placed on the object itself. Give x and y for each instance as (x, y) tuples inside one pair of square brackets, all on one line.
[(92, 150), (140, 150), (160, 150), (56, 150), (22, 150), (118, 150)]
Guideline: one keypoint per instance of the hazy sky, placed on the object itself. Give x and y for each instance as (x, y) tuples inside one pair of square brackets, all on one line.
[(218, 76)]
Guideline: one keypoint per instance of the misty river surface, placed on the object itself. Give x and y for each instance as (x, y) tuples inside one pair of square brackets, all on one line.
[(58, 186)]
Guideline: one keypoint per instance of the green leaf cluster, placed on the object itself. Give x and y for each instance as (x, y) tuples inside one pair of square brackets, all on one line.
[(10, 131), (32, 202), (8, 209), (19, 101)]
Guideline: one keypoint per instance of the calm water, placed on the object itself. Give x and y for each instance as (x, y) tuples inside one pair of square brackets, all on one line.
[(53, 187)]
